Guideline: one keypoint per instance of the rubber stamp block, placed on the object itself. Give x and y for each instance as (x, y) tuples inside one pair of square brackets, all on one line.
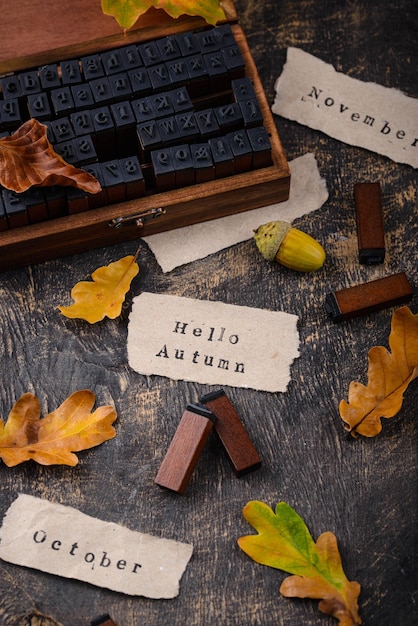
[(186, 446), (369, 219), (232, 434), (368, 297)]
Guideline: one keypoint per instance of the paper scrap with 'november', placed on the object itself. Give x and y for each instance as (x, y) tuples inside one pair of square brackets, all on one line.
[(383, 120)]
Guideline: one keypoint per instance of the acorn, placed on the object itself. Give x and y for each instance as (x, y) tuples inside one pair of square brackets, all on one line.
[(279, 241)]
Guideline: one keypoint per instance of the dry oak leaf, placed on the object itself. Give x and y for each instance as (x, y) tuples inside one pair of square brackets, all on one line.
[(53, 439), (284, 542), (105, 295), (27, 158), (127, 12), (389, 374)]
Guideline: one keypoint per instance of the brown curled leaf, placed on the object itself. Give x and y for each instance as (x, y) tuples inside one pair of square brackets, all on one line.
[(27, 158), (389, 374)]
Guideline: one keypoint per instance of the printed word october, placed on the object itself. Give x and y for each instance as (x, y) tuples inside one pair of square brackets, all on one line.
[(90, 558)]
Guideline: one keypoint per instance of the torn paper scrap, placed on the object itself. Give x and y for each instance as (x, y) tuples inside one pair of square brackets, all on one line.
[(211, 342), (61, 540), (380, 119), (308, 192)]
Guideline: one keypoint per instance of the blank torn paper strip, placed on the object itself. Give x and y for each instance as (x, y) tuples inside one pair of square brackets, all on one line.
[(211, 342), (61, 540), (367, 115), (308, 192)]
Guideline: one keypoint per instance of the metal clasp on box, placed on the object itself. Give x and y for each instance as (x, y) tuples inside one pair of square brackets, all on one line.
[(139, 219)]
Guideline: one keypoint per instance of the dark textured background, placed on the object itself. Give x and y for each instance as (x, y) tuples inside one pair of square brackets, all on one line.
[(365, 491)]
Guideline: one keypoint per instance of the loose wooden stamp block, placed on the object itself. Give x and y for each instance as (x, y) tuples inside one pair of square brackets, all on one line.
[(238, 446), (186, 446), (103, 620), (369, 218), (368, 297)]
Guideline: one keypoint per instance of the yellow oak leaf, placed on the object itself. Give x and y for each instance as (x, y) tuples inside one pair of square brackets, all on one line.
[(284, 542), (389, 374), (53, 439), (27, 158), (104, 296), (127, 12)]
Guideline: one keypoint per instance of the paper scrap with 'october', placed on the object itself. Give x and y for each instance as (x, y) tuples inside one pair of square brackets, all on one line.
[(380, 119), (308, 192), (61, 540), (211, 342)]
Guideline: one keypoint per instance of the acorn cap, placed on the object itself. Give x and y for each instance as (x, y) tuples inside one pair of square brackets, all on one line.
[(269, 237)]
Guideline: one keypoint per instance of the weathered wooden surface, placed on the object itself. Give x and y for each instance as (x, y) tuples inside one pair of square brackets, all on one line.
[(365, 491)]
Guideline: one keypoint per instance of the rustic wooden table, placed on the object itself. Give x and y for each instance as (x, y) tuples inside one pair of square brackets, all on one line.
[(364, 490)]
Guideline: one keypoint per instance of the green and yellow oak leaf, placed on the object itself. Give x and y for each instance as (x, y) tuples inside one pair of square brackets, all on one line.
[(27, 158), (104, 296), (53, 439), (127, 12), (389, 374), (284, 542)]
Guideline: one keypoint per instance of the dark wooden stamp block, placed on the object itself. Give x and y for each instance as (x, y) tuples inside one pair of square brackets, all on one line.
[(10, 114), (232, 434), (15, 208), (261, 146), (140, 82), (62, 100), (29, 82), (49, 76), (103, 620), (163, 167), (202, 162), (34, 199), (113, 181), (70, 72), (133, 177), (185, 448), (368, 297), (183, 165), (222, 156), (369, 220), (92, 66)]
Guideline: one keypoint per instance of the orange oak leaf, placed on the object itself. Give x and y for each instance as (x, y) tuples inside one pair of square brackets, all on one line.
[(389, 374), (127, 12), (105, 295), (284, 542), (53, 439), (27, 158)]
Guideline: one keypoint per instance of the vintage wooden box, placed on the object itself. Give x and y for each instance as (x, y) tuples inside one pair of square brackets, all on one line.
[(34, 33)]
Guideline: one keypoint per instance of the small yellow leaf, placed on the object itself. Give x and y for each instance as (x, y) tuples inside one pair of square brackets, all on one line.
[(52, 440), (389, 374), (105, 295)]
